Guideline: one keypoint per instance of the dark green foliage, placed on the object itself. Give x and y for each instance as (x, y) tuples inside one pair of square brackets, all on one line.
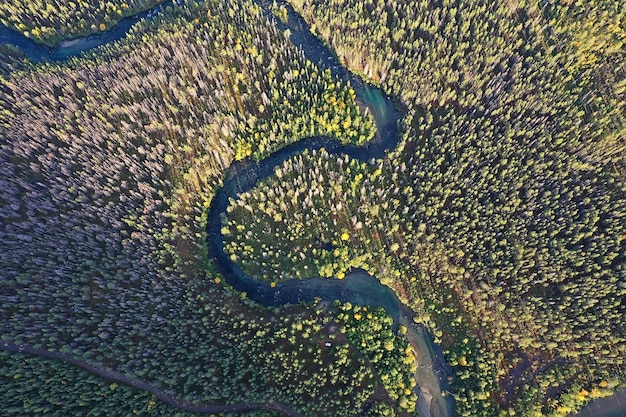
[(11, 59), (370, 330), (107, 164), (500, 217), (502, 209), (379, 409), (33, 387)]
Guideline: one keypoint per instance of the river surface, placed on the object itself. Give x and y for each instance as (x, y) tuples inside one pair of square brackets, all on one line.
[(357, 287)]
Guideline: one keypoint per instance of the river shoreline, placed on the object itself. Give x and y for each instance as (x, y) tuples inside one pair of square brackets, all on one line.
[(358, 287)]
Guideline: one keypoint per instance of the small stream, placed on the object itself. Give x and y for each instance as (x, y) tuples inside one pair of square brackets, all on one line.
[(38, 52), (357, 287)]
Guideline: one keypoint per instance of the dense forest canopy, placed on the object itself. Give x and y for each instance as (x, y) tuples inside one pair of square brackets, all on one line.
[(499, 218), (108, 163), (503, 207)]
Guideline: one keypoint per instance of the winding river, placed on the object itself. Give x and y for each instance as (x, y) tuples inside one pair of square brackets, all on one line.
[(357, 287)]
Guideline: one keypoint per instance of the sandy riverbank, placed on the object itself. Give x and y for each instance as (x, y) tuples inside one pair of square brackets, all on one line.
[(432, 401)]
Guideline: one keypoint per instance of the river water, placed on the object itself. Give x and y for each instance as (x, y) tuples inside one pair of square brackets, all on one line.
[(357, 287)]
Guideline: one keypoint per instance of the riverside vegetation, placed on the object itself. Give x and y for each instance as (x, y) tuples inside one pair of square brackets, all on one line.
[(504, 200), (107, 165), (51, 21), (501, 214)]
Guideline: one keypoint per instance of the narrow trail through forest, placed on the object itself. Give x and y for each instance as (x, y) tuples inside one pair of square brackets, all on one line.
[(145, 386)]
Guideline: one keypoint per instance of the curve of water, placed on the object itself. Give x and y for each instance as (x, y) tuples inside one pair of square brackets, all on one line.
[(358, 287)]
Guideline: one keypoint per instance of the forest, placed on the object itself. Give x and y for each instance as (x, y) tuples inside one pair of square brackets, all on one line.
[(499, 218), (108, 163)]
